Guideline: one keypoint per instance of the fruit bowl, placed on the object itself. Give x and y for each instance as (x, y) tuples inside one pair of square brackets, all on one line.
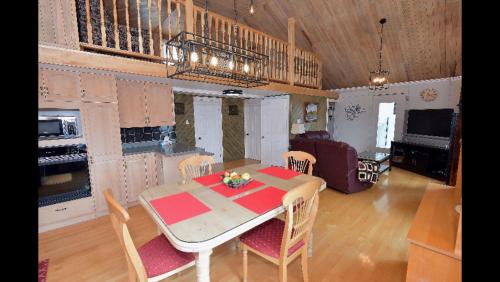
[(234, 180)]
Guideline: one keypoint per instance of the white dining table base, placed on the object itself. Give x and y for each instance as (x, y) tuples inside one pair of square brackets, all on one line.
[(203, 265)]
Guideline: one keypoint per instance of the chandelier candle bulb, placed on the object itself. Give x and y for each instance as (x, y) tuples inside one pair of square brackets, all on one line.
[(194, 57), (246, 68), (213, 61)]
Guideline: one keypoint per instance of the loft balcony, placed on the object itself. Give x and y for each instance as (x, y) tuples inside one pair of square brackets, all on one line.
[(139, 29)]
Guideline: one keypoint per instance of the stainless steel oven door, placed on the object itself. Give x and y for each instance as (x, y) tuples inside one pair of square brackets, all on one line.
[(62, 179)]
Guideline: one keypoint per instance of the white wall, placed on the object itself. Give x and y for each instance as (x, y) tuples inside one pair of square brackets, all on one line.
[(361, 132)]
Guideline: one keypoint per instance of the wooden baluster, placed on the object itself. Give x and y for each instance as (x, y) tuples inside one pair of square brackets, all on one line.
[(90, 40), (202, 24), (139, 25), (103, 28), (169, 17), (151, 43), (115, 24), (159, 27), (127, 21), (178, 10), (320, 74)]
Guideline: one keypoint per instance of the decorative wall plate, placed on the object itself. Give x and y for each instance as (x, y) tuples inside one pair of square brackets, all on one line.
[(429, 94)]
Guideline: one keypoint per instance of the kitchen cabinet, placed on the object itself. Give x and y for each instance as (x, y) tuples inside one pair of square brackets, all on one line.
[(57, 24), (131, 103), (58, 85), (144, 104), (98, 87), (60, 213), (141, 172), (101, 129), (107, 174), (159, 104)]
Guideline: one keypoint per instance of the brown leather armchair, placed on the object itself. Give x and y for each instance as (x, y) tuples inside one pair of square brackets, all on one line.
[(337, 162)]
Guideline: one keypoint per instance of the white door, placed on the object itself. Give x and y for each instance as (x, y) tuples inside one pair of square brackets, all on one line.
[(252, 128), (274, 129), (208, 125), (400, 105)]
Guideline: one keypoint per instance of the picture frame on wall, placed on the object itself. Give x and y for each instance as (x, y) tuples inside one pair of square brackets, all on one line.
[(310, 112)]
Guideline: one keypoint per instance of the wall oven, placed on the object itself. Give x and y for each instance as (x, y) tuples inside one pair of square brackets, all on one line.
[(63, 174), (59, 124)]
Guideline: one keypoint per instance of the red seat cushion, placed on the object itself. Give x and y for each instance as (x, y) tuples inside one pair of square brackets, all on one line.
[(159, 256), (266, 238)]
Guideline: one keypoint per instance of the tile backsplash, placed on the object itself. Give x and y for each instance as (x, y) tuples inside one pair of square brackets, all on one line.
[(142, 134)]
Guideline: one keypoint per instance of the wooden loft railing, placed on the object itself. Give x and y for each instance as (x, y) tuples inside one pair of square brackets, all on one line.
[(132, 28)]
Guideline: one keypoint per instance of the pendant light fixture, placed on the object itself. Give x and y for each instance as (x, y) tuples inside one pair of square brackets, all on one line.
[(252, 8), (379, 79), (209, 60)]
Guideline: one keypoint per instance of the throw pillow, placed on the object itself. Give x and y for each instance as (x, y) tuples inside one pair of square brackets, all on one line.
[(368, 171)]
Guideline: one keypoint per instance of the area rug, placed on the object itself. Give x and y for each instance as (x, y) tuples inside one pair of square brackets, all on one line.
[(42, 270)]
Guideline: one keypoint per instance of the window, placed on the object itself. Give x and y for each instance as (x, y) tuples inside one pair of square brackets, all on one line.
[(385, 128)]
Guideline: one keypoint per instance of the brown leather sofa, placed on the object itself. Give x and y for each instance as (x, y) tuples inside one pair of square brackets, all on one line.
[(337, 162)]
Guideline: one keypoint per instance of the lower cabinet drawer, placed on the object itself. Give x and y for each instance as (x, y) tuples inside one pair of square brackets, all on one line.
[(63, 211)]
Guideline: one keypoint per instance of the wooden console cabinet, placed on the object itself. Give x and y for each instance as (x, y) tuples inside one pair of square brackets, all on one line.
[(435, 253), (429, 161)]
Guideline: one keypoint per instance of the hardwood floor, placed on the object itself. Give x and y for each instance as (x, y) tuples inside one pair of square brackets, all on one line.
[(357, 237)]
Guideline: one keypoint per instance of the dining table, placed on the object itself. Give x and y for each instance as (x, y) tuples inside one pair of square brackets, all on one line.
[(205, 213)]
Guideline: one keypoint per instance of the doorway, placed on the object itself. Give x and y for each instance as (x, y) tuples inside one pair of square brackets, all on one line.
[(385, 125)]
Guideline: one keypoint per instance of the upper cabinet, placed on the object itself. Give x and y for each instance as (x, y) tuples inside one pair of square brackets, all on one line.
[(102, 132), (57, 24), (98, 87), (159, 108), (58, 85), (144, 104), (131, 103)]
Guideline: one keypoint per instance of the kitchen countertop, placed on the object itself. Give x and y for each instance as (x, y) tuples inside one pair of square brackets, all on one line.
[(167, 150)]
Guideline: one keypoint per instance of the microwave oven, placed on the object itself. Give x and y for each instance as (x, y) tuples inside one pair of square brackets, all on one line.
[(59, 124)]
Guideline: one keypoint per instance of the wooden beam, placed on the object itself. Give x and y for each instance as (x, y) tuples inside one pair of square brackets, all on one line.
[(291, 50)]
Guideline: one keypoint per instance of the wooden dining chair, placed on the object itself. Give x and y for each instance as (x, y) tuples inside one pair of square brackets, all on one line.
[(153, 261), (195, 166), (299, 161), (280, 242)]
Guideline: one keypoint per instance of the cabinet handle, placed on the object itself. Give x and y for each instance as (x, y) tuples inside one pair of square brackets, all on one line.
[(90, 160), (62, 209), (83, 93)]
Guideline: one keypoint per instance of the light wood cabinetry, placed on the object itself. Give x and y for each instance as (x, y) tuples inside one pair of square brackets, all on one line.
[(131, 103), (58, 85), (101, 129), (107, 174), (142, 171), (435, 252), (57, 213), (57, 24), (170, 166), (159, 104), (98, 87), (144, 104)]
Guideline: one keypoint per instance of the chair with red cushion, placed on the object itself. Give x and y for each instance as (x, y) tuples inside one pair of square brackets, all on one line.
[(153, 261), (280, 242)]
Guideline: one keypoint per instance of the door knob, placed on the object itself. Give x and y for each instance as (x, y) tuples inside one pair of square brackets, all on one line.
[(247, 134), (262, 137), (199, 138)]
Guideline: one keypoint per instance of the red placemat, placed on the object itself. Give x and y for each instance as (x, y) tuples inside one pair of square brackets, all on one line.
[(280, 172), (228, 192), (263, 200), (178, 207), (211, 179)]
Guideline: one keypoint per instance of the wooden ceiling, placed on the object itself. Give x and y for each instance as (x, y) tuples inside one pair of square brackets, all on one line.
[(422, 38)]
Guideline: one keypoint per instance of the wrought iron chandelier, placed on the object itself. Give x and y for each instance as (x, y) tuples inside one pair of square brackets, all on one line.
[(379, 79), (200, 57)]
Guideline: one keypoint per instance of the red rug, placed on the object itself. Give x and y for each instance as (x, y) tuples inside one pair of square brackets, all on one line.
[(42, 270)]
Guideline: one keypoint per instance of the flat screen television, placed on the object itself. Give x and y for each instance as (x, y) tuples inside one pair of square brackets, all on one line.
[(430, 122)]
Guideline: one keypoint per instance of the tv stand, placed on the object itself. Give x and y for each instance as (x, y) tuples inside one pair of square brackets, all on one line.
[(428, 160)]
